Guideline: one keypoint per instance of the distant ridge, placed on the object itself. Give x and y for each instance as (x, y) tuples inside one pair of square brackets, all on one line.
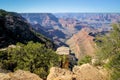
[(14, 28)]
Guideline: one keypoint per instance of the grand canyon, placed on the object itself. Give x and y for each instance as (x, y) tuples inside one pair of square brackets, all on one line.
[(59, 40)]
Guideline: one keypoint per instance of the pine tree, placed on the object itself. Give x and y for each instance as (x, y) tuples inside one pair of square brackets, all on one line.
[(33, 57)]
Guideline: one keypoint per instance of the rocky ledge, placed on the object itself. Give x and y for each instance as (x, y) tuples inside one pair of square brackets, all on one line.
[(19, 75), (84, 72)]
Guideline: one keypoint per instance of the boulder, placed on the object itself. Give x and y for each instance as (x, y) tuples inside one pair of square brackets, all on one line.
[(63, 50), (60, 74), (19, 75), (89, 72), (83, 72)]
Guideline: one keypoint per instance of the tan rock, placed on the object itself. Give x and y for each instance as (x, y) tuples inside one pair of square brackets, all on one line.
[(63, 50), (83, 72), (19, 75), (82, 44), (60, 74), (4, 76), (64, 78), (88, 72)]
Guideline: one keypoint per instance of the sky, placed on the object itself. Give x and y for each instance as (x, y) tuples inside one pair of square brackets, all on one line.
[(61, 6)]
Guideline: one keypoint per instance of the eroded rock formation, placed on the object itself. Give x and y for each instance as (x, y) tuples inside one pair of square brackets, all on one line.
[(84, 72), (82, 44), (19, 75)]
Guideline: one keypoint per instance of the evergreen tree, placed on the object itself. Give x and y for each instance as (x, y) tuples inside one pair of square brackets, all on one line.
[(33, 57), (109, 48)]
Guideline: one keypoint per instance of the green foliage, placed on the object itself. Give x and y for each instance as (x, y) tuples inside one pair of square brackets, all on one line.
[(33, 57), (109, 48), (47, 41), (19, 30), (85, 59), (64, 59), (114, 66), (3, 13), (98, 62)]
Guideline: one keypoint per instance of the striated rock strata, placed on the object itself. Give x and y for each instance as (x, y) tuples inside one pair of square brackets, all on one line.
[(14, 28), (82, 44)]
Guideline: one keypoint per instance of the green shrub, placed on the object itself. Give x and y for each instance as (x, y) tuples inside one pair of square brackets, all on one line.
[(84, 60), (114, 66), (3, 13), (64, 61), (32, 57), (109, 48)]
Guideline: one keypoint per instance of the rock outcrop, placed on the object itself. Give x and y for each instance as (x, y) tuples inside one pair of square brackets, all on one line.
[(84, 72), (48, 25), (14, 28), (44, 19), (19, 75), (63, 50), (89, 72), (60, 74), (82, 44)]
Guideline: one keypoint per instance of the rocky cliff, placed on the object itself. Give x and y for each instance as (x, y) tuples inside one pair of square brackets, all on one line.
[(48, 25), (46, 20), (82, 43), (14, 28)]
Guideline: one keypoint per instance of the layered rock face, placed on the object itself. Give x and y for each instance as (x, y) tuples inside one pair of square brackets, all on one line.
[(82, 44), (44, 19), (19, 75), (14, 28), (48, 25), (70, 23), (84, 72)]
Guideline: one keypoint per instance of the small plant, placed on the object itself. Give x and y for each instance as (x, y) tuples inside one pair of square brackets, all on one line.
[(85, 59)]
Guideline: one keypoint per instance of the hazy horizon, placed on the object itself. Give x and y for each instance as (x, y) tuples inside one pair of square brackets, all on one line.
[(72, 12), (61, 6)]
